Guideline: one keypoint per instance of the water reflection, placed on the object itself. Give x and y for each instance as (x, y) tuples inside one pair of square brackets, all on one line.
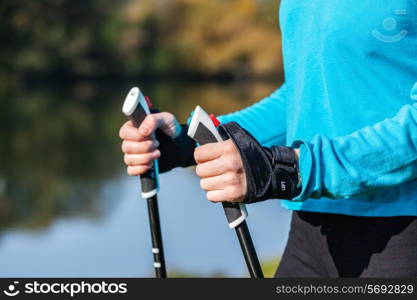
[(68, 209)]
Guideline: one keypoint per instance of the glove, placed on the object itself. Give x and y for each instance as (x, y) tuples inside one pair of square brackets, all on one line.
[(177, 152), (271, 173)]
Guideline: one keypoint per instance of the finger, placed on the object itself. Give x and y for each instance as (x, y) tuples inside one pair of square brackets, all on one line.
[(138, 170), (210, 169), (129, 132), (217, 196), (141, 159), (208, 152), (132, 147), (170, 125), (165, 121), (213, 183)]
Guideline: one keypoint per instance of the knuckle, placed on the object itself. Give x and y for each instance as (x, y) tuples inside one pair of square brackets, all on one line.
[(151, 120), (148, 146), (233, 192), (125, 147), (203, 184), (141, 169), (166, 115), (210, 197), (229, 147), (148, 157), (126, 159), (197, 154), (222, 168), (130, 171), (228, 178), (198, 171), (122, 131), (230, 164), (231, 177)]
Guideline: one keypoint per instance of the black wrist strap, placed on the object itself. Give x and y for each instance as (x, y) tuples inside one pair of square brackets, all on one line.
[(271, 173), (178, 152)]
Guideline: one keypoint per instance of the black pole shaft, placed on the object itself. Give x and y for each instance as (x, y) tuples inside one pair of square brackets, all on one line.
[(249, 251), (157, 248)]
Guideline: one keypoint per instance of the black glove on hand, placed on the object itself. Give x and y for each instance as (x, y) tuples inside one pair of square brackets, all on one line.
[(178, 152), (271, 173)]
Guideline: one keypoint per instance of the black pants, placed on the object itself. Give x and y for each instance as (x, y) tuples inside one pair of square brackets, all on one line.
[(329, 245)]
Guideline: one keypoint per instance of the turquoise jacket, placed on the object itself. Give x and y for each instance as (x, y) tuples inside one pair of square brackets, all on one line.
[(349, 104)]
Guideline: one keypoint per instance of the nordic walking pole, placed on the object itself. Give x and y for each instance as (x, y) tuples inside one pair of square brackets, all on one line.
[(136, 108), (203, 130)]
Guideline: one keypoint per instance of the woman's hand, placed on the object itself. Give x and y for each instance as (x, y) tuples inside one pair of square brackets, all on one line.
[(139, 147), (220, 167), (221, 170)]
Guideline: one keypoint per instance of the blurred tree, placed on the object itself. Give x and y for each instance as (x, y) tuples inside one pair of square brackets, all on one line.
[(107, 39), (56, 38), (237, 37)]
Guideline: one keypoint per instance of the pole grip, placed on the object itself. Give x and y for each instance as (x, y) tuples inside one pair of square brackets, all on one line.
[(136, 109), (203, 131), (149, 180)]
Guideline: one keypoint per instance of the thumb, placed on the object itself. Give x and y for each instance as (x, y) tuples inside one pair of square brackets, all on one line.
[(164, 121)]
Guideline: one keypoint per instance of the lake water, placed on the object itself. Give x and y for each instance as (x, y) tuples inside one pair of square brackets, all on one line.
[(67, 207)]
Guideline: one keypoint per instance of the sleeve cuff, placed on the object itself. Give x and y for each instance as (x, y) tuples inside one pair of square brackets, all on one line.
[(305, 164)]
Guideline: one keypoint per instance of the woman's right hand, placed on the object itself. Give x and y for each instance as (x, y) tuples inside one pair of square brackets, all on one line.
[(139, 146)]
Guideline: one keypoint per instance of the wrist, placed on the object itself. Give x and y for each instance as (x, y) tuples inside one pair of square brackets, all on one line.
[(297, 154)]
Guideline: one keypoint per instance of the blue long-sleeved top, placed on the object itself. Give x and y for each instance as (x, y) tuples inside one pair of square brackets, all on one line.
[(349, 104)]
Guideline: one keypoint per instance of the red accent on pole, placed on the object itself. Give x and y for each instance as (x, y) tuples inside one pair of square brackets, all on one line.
[(148, 101), (215, 121)]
